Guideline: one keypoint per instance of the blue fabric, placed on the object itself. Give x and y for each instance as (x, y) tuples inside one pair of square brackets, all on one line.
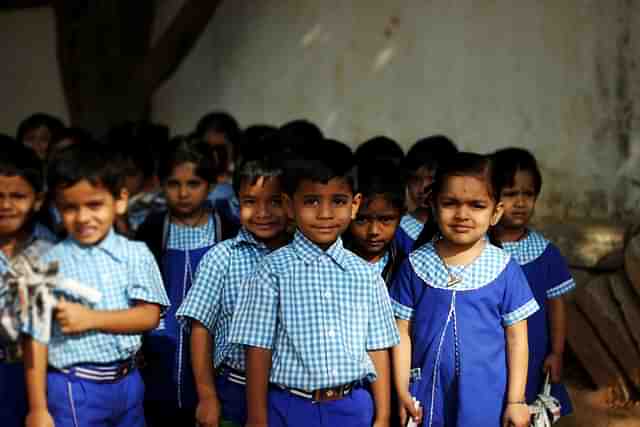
[(458, 334), (182, 237), (233, 400), (212, 299), (549, 277), (75, 402), (223, 199), (124, 272), (319, 311), (287, 410)]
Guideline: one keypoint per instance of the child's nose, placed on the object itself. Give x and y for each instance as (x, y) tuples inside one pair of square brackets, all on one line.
[(374, 228), (325, 210)]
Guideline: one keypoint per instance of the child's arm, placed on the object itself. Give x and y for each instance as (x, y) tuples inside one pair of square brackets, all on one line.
[(258, 369), (517, 412), (75, 318), (401, 356), (35, 373), (208, 410), (558, 326), (381, 387)]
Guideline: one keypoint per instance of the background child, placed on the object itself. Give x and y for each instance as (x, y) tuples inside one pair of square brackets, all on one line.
[(92, 380), (179, 238), (461, 304), (21, 196), (315, 318), (379, 149), (211, 302), (544, 266), (37, 131), (419, 166), (371, 233)]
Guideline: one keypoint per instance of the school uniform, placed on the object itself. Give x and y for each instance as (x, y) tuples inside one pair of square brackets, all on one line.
[(549, 277), (407, 232), (171, 393), (212, 301), (319, 312), (459, 355), (92, 379), (13, 395)]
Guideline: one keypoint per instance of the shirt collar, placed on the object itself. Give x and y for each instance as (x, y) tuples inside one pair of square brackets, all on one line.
[(528, 249), (111, 245), (310, 252), (244, 236)]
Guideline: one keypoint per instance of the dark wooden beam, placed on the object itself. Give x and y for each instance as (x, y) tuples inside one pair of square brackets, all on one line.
[(23, 4)]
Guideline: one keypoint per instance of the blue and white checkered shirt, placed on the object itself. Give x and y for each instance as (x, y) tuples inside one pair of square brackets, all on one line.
[(319, 311), (183, 237), (124, 272), (213, 297), (379, 265), (411, 226)]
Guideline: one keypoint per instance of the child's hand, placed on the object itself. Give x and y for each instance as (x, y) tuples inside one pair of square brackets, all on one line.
[(553, 365), (516, 415), (40, 418), (74, 318), (208, 412), (406, 408)]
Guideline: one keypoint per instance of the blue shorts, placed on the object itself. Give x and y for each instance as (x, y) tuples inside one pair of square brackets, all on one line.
[(13, 396)]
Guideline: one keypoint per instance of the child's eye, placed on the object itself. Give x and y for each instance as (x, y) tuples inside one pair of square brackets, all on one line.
[(94, 205), (247, 202), (478, 205), (340, 201), (311, 202), (276, 203), (18, 196), (360, 221)]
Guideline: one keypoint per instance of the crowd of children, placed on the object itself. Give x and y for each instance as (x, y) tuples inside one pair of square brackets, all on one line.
[(273, 277)]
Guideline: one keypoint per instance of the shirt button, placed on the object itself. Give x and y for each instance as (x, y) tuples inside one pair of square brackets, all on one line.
[(327, 294), (331, 333), (334, 373)]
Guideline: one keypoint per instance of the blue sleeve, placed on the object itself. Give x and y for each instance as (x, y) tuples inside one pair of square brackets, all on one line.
[(145, 279), (255, 320), (560, 280), (518, 302), (203, 300), (382, 330), (402, 291), (403, 240)]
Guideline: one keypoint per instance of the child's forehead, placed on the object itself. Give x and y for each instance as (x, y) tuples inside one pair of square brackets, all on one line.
[(82, 189), (377, 203), (337, 185), (260, 185), (16, 180), (466, 185)]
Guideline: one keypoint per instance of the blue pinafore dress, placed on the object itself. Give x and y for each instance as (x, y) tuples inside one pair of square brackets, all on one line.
[(167, 374), (459, 356), (549, 277)]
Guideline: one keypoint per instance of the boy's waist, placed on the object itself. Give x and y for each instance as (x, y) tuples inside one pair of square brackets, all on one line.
[(324, 394), (99, 372)]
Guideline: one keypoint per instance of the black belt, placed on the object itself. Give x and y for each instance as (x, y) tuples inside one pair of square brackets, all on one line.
[(323, 394)]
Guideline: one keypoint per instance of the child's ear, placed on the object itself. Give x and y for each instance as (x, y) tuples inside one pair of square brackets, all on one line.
[(122, 202), (39, 201), (497, 214), (355, 205)]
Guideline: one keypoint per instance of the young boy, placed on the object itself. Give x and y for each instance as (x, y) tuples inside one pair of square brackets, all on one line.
[(371, 234), (419, 167), (21, 196), (91, 378), (316, 320), (218, 365)]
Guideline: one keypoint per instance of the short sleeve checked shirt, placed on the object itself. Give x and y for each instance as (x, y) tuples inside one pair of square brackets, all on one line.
[(124, 272), (213, 297), (319, 312)]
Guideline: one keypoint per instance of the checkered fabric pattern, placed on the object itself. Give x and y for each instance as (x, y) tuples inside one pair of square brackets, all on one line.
[(185, 238), (123, 271), (212, 298), (379, 265), (561, 289), (520, 313), (411, 226), (319, 311), (484, 269), (528, 249)]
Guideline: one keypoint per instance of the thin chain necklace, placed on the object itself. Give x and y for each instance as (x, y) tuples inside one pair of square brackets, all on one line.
[(452, 279), (195, 223)]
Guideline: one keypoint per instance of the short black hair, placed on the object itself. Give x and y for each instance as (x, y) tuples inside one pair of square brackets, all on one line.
[(251, 170), (190, 150), (509, 161), (298, 134), (319, 162), (36, 120), (222, 122), (379, 148), (378, 178), (93, 162), (19, 160), (429, 153)]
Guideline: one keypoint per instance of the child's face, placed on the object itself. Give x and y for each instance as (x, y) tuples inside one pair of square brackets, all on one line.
[(185, 191), (262, 209), (88, 211), (519, 201), (417, 184), (38, 139), (374, 227), (18, 201), (324, 211), (465, 210)]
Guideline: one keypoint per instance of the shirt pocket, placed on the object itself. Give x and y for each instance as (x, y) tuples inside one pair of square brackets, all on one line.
[(354, 327)]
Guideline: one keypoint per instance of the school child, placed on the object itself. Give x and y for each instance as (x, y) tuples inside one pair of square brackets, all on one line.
[(37, 131), (462, 305), (91, 378), (370, 234), (316, 319), (380, 149), (419, 166), (543, 265), (219, 365), (21, 196), (178, 237)]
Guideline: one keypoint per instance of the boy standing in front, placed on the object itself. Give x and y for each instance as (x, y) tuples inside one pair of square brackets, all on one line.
[(85, 375), (316, 320)]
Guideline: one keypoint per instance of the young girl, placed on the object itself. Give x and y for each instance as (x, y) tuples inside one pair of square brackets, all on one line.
[(544, 267), (461, 304), (178, 238)]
